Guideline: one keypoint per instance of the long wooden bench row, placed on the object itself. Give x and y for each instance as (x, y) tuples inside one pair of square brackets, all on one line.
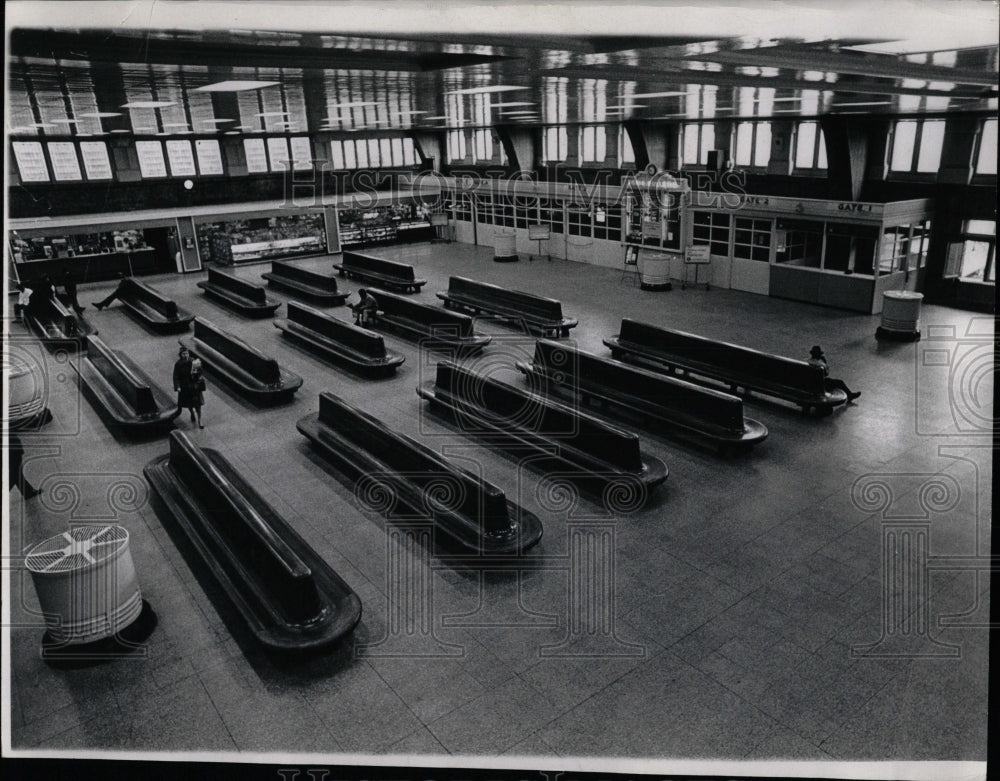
[(303, 283), (535, 312), (677, 406), (732, 365), (379, 271), (56, 325), (238, 294), (121, 392), (241, 366), (432, 326), (290, 598), (602, 459), (152, 308), (334, 340), (467, 511)]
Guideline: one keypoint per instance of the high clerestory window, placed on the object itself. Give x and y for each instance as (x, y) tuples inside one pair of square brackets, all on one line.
[(916, 146), (810, 147)]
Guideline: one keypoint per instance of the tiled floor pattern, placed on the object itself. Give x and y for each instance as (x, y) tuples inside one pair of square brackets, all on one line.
[(740, 587)]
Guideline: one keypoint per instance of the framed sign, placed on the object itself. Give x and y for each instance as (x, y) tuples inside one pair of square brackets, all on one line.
[(538, 232), (181, 158), (697, 254)]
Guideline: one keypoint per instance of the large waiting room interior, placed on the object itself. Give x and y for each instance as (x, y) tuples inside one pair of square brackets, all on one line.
[(716, 553)]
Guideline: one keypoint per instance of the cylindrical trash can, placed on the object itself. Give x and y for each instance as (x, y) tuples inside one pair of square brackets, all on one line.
[(900, 316), (504, 247), (654, 271), (86, 586)]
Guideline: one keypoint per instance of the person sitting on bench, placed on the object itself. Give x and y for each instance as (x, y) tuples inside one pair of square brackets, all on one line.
[(69, 288), (366, 309), (816, 358), (99, 305), (42, 292), (23, 297)]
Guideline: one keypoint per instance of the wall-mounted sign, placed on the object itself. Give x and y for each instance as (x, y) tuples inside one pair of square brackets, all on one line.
[(95, 159), (151, 162), (65, 165), (256, 155), (30, 161), (209, 157), (181, 158)]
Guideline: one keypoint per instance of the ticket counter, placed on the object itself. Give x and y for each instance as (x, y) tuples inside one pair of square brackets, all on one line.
[(840, 254)]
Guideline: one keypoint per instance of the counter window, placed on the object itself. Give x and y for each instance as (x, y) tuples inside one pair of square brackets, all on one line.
[(799, 243), (850, 248), (752, 239), (712, 228)]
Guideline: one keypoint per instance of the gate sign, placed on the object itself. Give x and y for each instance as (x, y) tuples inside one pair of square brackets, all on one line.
[(697, 254)]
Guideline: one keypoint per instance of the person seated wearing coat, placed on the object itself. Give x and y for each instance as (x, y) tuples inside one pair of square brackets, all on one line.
[(366, 309), (816, 358)]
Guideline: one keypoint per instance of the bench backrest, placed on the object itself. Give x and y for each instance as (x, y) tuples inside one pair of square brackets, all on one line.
[(246, 533), (238, 286), (539, 306), (280, 268), (772, 369), (358, 339), (436, 318), (440, 480), (575, 368), (139, 291), (136, 392), (236, 350), (390, 268), (512, 409)]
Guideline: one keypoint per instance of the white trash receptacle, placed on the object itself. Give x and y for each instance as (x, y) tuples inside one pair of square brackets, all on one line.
[(900, 316), (86, 583)]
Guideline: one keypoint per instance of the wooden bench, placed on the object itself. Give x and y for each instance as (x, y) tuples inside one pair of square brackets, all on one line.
[(729, 364), (337, 341), (431, 326), (122, 393), (468, 511), (241, 366), (597, 456), (237, 294), (288, 595), (379, 271), (674, 405), (303, 283), (56, 325), (535, 312), (152, 308)]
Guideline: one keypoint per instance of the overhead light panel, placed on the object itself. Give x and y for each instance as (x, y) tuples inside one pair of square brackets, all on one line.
[(480, 90), (659, 94), (100, 114), (516, 103), (235, 86), (149, 104)]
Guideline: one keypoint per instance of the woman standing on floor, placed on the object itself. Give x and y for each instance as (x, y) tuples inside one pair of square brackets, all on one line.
[(189, 383)]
